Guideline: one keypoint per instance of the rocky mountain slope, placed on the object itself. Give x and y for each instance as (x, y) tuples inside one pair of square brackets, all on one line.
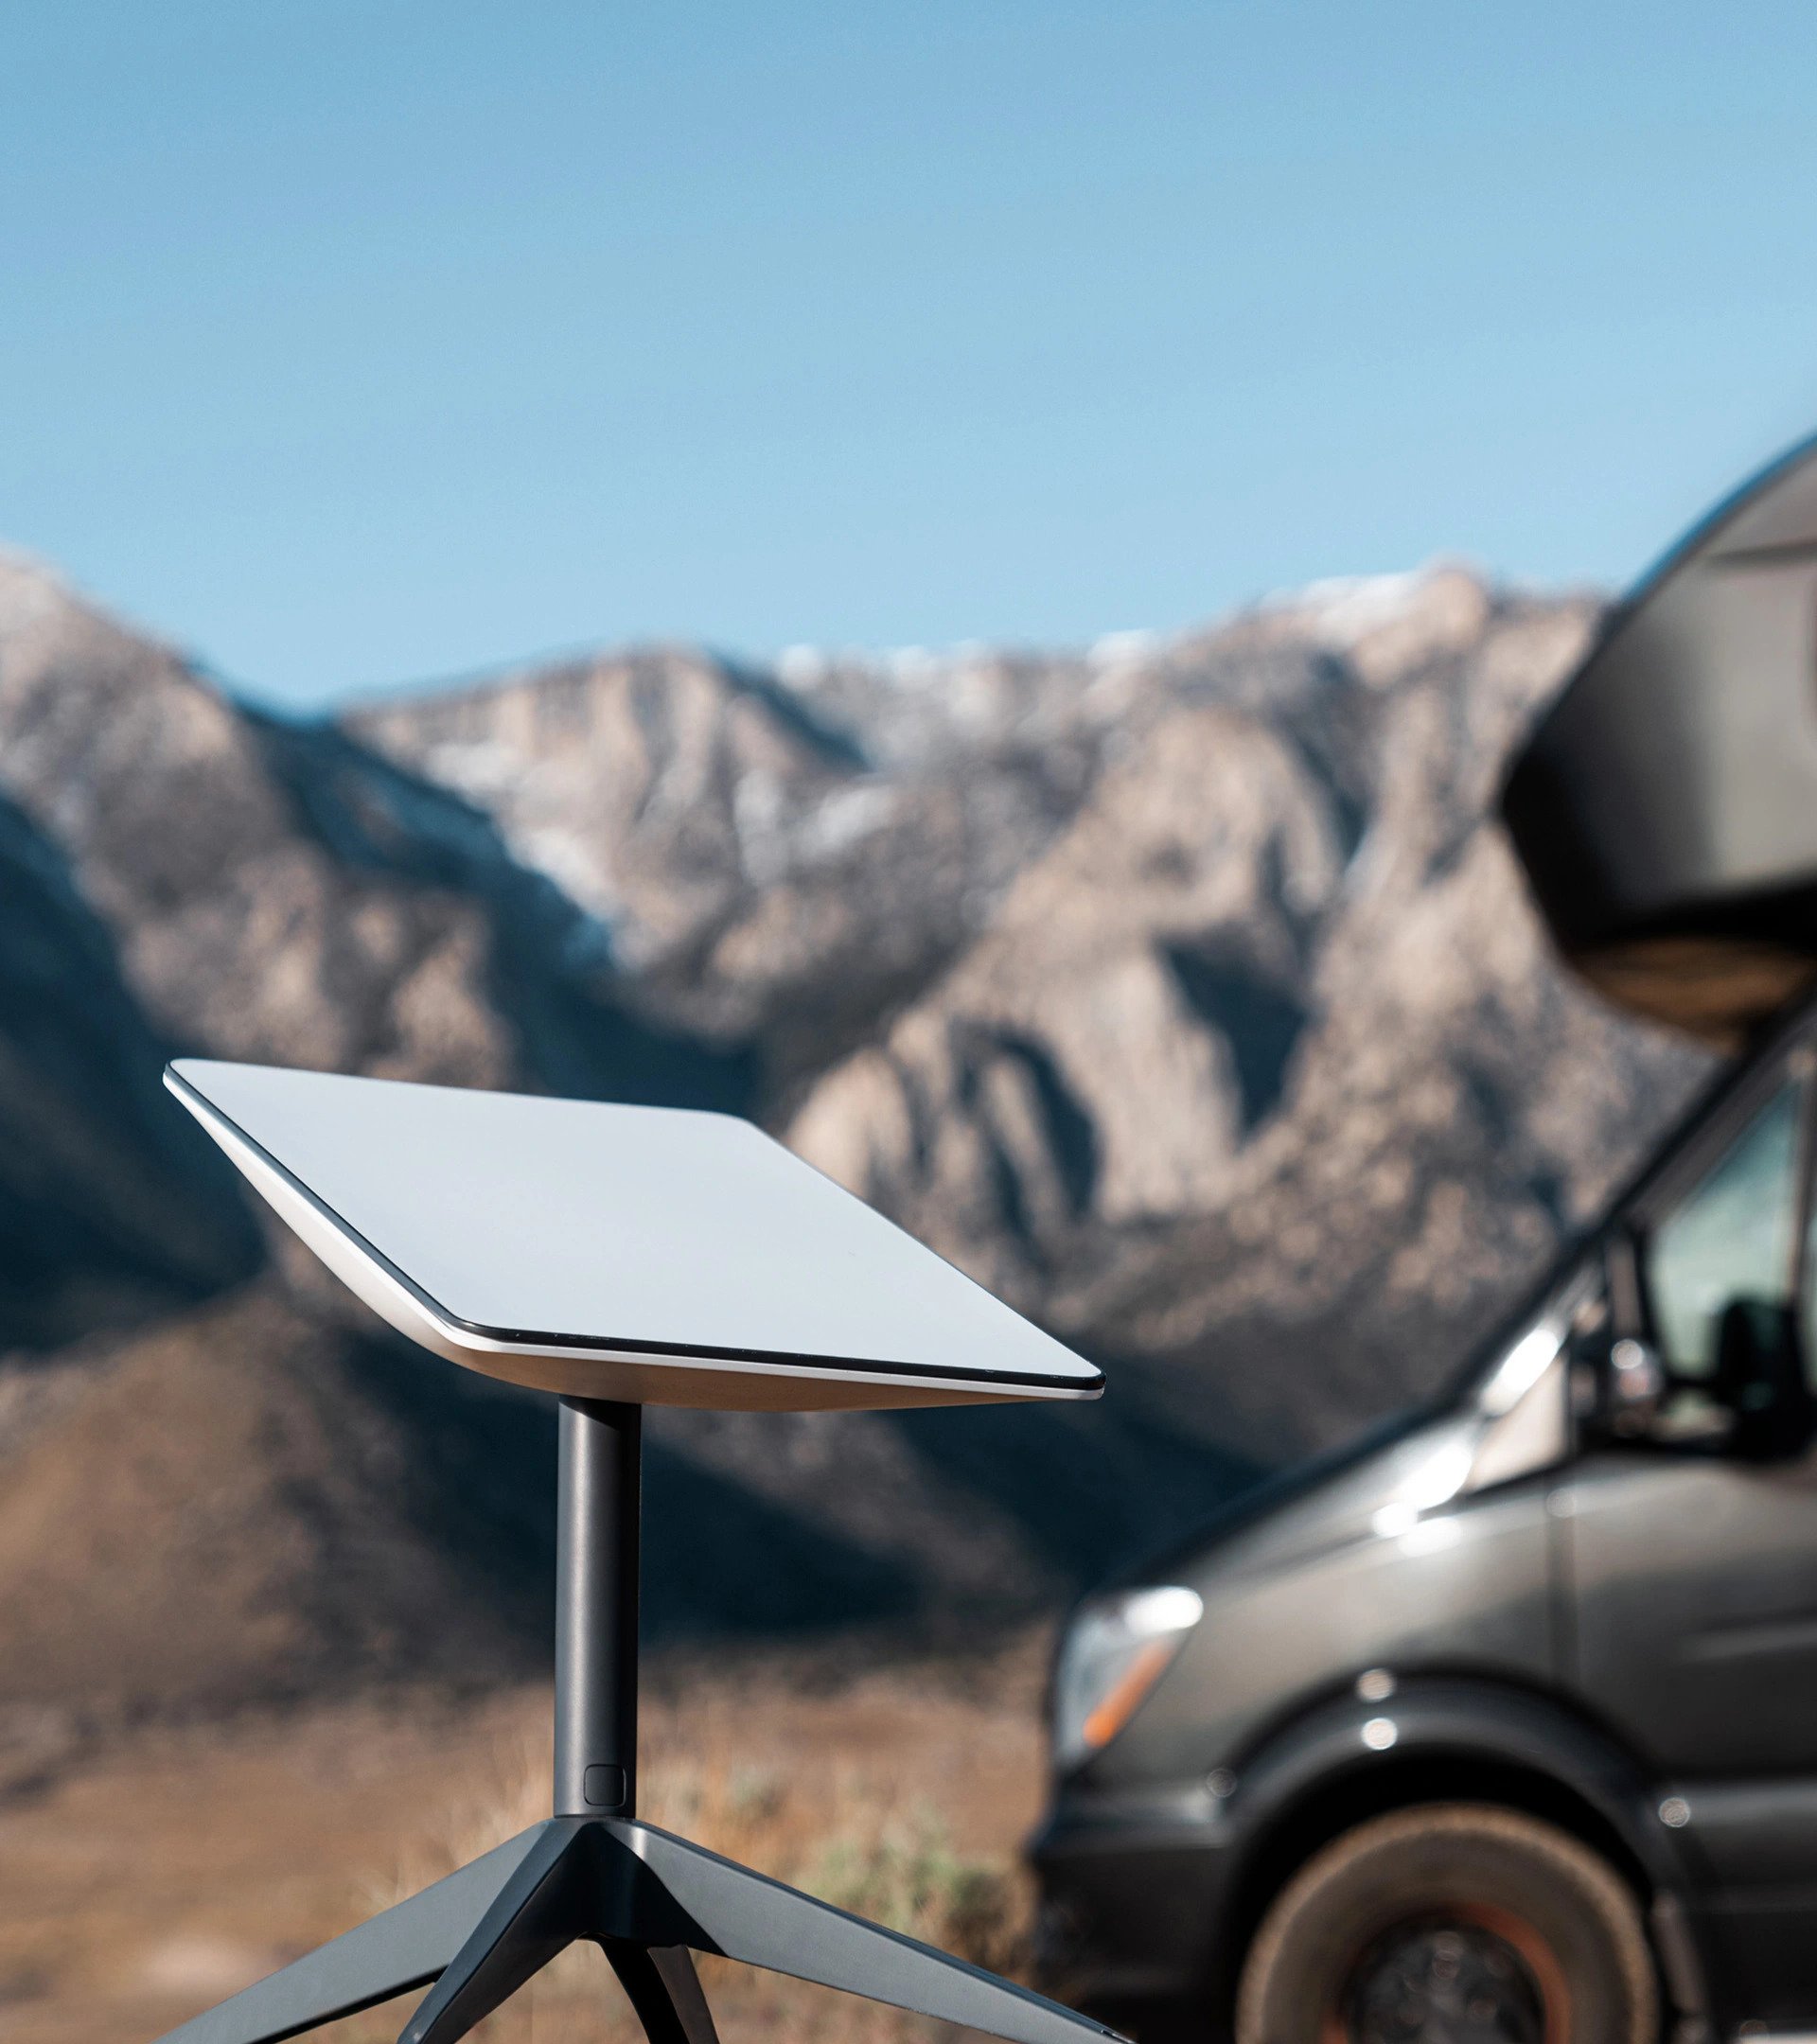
[(1180, 990), (1183, 992)]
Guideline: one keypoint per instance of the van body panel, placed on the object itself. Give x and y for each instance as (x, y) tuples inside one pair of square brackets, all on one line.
[(1294, 1614), (1696, 1588), (1755, 1839)]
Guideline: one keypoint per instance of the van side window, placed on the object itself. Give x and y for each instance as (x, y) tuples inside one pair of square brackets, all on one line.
[(1718, 1269), (1728, 1244)]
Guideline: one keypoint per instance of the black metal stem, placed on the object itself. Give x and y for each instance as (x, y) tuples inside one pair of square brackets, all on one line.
[(596, 1573)]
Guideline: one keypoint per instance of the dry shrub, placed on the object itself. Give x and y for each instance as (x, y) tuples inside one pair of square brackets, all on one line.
[(904, 1872), (841, 1831)]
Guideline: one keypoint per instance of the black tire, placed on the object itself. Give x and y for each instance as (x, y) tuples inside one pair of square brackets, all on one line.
[(1452, 1923)]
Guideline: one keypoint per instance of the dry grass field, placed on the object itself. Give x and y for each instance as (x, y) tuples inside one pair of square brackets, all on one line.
[(168, 1867)]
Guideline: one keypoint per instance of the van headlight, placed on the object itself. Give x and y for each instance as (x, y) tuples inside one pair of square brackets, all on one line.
[(1114, 1652)]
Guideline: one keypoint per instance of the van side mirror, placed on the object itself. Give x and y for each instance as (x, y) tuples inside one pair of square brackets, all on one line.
[(1618, 1388), (1754, 1400), (1760, 1378), (1633, 1387)]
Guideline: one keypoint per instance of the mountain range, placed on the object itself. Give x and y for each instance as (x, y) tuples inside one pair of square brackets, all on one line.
[(1181, 989)]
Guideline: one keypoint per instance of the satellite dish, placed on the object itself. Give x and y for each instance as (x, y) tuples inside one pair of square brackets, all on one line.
[(651, 1255), (619, 1256)]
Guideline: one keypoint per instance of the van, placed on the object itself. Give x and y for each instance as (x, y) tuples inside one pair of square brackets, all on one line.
[(1500, 1726)]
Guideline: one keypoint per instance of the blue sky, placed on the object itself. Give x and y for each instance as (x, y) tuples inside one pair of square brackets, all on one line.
[(356, 344)]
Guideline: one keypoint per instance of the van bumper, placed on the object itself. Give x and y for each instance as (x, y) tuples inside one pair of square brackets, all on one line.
[(1131, 1889)]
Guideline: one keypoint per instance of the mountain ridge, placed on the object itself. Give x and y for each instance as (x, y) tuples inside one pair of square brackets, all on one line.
[(1181, 990)]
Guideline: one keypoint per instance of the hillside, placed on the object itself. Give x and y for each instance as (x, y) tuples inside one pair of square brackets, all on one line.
[(1183, 990), (1180, 990)]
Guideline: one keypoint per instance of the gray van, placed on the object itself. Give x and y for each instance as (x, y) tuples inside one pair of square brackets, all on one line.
[(1501, 1726)]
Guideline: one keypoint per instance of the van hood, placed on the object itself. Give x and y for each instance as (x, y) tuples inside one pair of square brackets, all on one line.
[(1319, 1503)]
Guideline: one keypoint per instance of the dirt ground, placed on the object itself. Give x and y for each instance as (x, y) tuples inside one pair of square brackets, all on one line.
[(168, 1867)]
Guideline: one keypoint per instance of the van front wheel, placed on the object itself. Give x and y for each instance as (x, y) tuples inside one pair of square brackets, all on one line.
[(1452, 1923)]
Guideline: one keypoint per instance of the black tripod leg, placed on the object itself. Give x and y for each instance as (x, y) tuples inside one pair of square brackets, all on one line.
[(677, 1891), (534, 1915), (662, 1985), (398, 1950)]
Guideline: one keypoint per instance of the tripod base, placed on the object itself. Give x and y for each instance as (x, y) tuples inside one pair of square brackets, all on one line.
[(650, 1899), (593, 1872)]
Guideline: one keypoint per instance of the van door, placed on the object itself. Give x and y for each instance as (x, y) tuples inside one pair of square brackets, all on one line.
[(1693, 1551)]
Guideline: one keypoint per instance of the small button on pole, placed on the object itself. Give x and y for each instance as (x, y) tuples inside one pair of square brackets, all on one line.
[(604, 1788)]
